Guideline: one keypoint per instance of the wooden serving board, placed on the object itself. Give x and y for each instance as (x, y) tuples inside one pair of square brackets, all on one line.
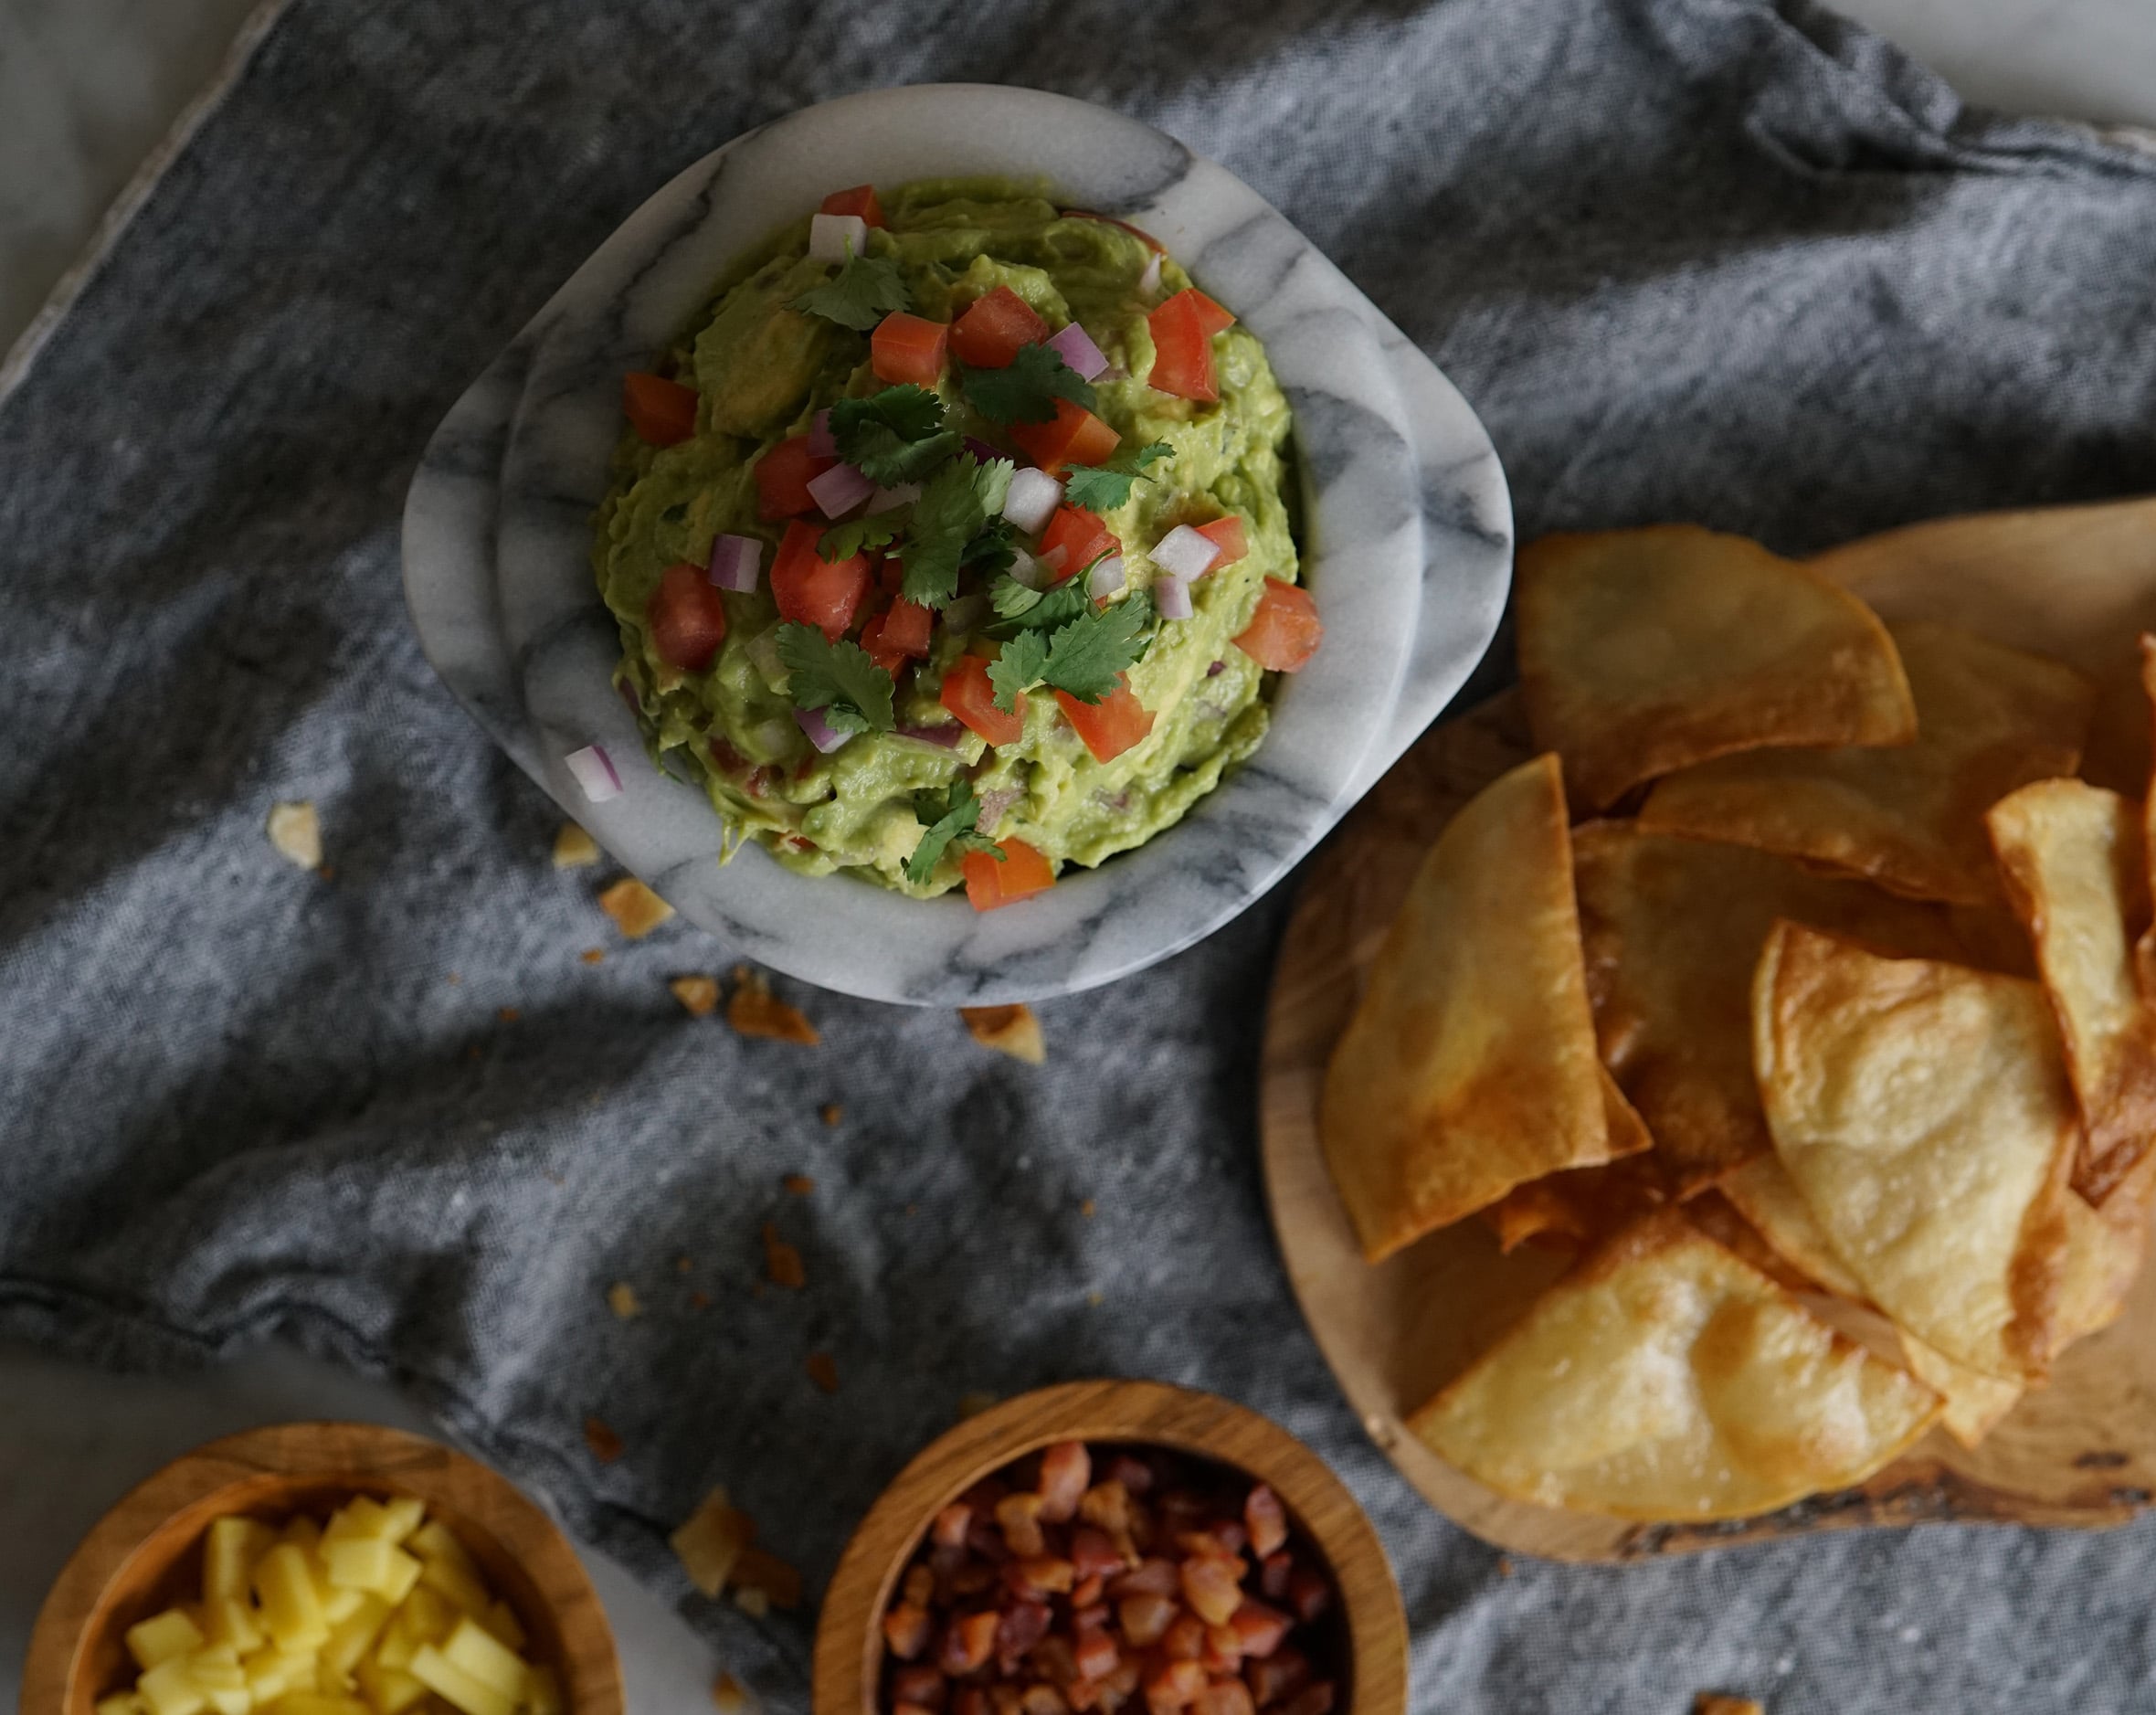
[(2078, 583)]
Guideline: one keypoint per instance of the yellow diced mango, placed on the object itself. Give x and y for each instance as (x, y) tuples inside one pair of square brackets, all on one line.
[(390, 1689), (216, 1668), (501, 1620), (353, 1637), (373, 1565), (269, 1676), (236, 1702), (435, 1541), (232, 1620), (291, 1609), (403, 1514), (338, 1605), (168, 1688), (163, 1636), (429, 1614), (473, 1649), (543, 1693), (441, 1676), (228, 1557), (119, 1703), (302, 1533), (460, 1584), (318, 1703), (360, 1518)]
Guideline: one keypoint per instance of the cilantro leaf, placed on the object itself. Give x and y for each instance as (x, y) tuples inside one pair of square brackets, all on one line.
[(863, 291), (1011, 598), (952, 818), (1103, 487), (992, 549), (1026, 391), (1058, 605), (893, 436), (1019, 668), (1086, 657), (956, 505), (853, 693), (843, 542)]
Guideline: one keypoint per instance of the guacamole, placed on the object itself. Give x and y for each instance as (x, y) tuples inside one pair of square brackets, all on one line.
[(852, 667)]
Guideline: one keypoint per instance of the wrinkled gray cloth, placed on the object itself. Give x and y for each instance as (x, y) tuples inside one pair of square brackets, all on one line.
[(1690, 259)]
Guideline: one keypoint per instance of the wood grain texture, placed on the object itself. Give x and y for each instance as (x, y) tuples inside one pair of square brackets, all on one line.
[(2078, 582), (849, 1637), (145, 1553)]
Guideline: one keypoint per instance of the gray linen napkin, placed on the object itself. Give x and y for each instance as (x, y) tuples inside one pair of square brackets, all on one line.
[(1691, 258)]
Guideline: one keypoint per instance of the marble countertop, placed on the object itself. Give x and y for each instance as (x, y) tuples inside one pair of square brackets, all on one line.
[(87, 88)]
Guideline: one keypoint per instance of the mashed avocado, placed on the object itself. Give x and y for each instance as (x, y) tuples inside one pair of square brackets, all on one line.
[(763, 369)]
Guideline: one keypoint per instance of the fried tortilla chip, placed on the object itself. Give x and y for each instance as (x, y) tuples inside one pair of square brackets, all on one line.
[(1971, 1403), (2108, 1245), (1989, 719), (1665, 1379), (1671, 930), (1923, 1112), (1644, 651), (1469, 1067), (1584, 1205), (1765, 1195), (2070, 856), (2144, 950)]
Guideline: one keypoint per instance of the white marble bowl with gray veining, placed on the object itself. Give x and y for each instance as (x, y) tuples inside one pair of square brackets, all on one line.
[(1407, 546)]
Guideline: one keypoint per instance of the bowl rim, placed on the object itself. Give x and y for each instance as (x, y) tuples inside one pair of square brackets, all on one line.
[(849, 1642), (145, 1535)]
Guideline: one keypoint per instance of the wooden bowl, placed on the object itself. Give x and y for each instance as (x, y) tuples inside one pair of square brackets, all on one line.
[(145, 1553), (849, 1639)]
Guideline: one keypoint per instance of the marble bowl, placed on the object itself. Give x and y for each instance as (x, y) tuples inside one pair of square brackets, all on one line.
[(1407, 544)]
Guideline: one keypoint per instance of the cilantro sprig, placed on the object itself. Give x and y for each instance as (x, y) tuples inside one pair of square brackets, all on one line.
[(1026, 391), (951, 818), (863, 291), (1023, 608), (853, 693), (962, 501), (843, 542), (1084, 658), (1103, 487), (893, 436)]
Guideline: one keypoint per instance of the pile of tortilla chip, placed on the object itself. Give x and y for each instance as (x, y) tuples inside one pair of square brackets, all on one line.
[(1828, 1046)]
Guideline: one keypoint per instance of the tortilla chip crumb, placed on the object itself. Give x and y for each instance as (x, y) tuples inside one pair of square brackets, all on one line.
[(711, 1544), (699, 996), (782, 1262), (730, 1696), (764, 1574), (801, 1184), (1009, 1029), (1087, 1209), (573, 849), (635, 908), (605, 1444), (621, 1298), (1721, 1703), (752, 1603), (974, 1405), (755, 1011), (830, 1113), (823, 1370), (296, 831), (509, 1014)]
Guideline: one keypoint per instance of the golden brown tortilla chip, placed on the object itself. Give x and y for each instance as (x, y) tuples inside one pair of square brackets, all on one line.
[(1989, 719), (2108, 1245), (1671, 930), (2145, 948), (1644, 651), (1469, 1067), (2070, 856), (1584, 1205), (1923, 1112), (1764, 1194), (1665, 1379), (1971, 1403)]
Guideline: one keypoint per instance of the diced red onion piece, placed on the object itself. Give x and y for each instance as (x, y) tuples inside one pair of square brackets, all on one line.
[(948, 734), (1150, 280), (842, 488), (1181, 552), (993, 806), (820, 732), (1033, 498), (980, 449), (892, 498), (1077, 349), (963, 616), (594, 771), (820, 444), (1033, 573), (834, 237), (1216, 669), (1106, 576), (735, 562), (1171, 596)]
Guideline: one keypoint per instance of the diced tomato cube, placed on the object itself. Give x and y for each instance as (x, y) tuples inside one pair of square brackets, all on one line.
[(1019, 1518), (1073, 436), (1175, 1685), (906, 347), (782, 475), (1042, 1699), (1259, 1629), (1308, 1594), (949, 1529), (1111, 725), (1219, 1536), (1286, 631), (906, 627), (1023, 1625), (1211, 316), (1273, 1575), (1065, 1470), (968, 694), (1212, 1585), (1107, 1505), (1003, 1699), (1182, 350), (812, 590), (687, 618), (1223, 1650), (1312, 1700), (988, 334), (861, 200), (1046, 1574), (1227, 536), (1097, 1654), (1185, 1638), (1088, 1590), (1074, 539), (920, 1586), (660, 411), (890, 573), (924, 1686), (1094, 1552), (1133, 1473), (1152, 1578), (905, 1631), (968, 1641), (1145, 1619), (1280, 1675), (1228, 1697), (1022, 873)]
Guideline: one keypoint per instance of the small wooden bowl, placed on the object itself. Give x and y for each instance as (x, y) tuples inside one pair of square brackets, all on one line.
[(850, 1638), (146, 1555)]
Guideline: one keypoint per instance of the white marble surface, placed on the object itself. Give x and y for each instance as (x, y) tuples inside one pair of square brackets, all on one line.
[(86, 88)]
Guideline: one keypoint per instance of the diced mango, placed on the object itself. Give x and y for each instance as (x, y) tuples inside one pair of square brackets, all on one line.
[(389, 1690), (543, 1693), (216, 1668), (268, 1676), (351, 1637), (168, 1688), (373, 1565), (434, 1541), (428, 1616), (318, 1703), (362, 1518), (228, 1620), (338, 1605), (474, 1650), (460, 1584), (440, 1676), (238, 1702), (302, 1532), (228, 1557), (402, 1515), (119, 1703), (502, 1622), (163, 1636), (291, 1609)]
